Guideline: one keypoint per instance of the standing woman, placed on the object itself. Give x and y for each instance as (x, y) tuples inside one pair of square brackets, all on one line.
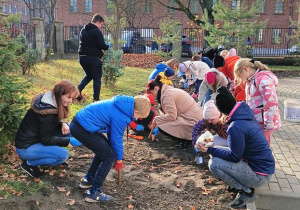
[(178, 112), (261, 93), (42, 133)]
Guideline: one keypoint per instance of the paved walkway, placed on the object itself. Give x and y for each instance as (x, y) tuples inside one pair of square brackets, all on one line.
[(286, 148)]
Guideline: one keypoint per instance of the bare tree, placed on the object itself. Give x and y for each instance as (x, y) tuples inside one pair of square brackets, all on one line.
[(52, 26)]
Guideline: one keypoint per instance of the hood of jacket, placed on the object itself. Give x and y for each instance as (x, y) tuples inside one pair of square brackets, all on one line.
[(125, 104), (44, 104), (161, 66), (241, 111), (90, 26), (259, 74)]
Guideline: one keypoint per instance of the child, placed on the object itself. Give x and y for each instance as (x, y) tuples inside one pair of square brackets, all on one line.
[(206, 60), (142, 124), (196, 71), (248, 162), (167, 76), (110, 117), (260, 93), (43, 134), (172, 63), (213, 80), (224, 54), (214, 122)]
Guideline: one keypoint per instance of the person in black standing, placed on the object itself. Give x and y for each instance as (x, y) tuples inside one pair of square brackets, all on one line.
[(91, 44)]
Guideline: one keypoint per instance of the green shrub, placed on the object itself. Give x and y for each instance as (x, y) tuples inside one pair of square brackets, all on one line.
[(12, 87), (111, 66)]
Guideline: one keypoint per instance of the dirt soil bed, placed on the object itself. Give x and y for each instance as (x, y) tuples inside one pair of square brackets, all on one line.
[(156, 176)]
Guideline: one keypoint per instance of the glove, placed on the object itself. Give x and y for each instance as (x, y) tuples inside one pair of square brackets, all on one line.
[(74, 142), (155, 132), (119, 165), (139, 127), (185, 85)]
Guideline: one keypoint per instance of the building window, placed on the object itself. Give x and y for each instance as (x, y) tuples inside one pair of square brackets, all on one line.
[(279, 6), (74, 32), (20, 9), (171, 3), (9, 9), (15, 10), (262, 9), (132, 6), (25, 11), (88, 6), (194, 6), (148, 6), (259, 35), (73, 5), (236, 4), (110, 6), (4, 8), (276, 35)]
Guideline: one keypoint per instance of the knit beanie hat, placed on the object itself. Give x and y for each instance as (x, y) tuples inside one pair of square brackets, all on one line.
[(218, 61), (182, 68), (169, 72), (225, 101), (231, 52), (210, 110), (210, 78)]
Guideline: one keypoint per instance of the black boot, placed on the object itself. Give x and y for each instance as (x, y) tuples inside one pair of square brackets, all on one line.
[(183, 144)]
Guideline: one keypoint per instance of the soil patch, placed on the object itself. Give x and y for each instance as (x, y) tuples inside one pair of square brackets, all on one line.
[(156, 176)]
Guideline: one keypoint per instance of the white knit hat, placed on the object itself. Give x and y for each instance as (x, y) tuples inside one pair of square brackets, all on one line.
[(210, 110)]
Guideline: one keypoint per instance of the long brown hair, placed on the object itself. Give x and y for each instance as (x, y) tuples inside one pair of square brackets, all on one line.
[(61, 88)]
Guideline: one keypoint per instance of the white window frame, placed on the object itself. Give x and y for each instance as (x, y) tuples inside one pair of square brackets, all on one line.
[(88, 6), (73, 6), (278, 7)]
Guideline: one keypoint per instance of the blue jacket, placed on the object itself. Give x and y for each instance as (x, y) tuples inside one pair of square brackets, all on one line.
[(246, 141), (158, 68), (108, 116)]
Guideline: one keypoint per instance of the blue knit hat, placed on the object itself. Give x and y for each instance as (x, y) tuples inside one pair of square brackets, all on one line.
[(169, 72)]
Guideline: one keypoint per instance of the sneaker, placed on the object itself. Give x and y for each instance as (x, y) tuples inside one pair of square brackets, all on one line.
[(86, 182), (97, 196), (232, 189), (32, 171), (242, 198)]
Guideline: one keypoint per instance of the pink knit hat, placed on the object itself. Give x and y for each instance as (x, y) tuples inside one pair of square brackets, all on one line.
[(182, 68), (210, 110), (232, 52), (210, 78)]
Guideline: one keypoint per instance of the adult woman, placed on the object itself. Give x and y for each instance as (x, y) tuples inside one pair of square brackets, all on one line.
[(42, 132), (248, 162), (178, 112)]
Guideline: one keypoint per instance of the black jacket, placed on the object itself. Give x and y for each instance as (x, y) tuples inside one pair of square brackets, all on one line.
[(91, 41), (39, 125)]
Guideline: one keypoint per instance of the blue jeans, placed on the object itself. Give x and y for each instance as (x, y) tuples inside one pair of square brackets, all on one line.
[(197, 86), (104, 157), (92, 67), (41, 155), (207, 97), (238, 175)]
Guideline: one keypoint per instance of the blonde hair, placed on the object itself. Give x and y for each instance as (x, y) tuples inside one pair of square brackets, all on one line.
[(173, 63), (142, 105), (246, 62), (224, 53)]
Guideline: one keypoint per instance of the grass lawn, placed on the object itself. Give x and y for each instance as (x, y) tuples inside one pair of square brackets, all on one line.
[(48, 73), (283, 68)]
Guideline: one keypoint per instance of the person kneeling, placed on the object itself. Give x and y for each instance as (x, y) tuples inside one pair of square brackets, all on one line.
[(248, 162)]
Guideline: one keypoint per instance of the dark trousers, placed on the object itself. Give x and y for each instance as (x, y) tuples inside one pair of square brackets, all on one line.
[(104, 157), (92, 67), (197, 86), (146, 121)]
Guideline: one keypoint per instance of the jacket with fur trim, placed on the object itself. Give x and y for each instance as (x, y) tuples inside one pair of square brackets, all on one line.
[(40, 123)]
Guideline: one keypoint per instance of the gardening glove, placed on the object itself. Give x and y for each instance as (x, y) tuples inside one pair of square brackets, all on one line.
[(119, 165), (155, 132), (185, 85), (74, 142), (139, 127)]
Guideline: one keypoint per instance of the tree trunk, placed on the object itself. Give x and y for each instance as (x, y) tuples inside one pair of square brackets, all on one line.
[(52, 26)]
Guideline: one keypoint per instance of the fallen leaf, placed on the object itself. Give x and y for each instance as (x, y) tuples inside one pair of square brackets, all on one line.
[(37, 180), (212, 202), (193, 207), (61, 189), (129, 197), (51, 173), (37, 203), (68, 193), (210, 180), (167, 192), (180, 208), (177, 168), (71, 202), (130, 206), (178, 184)]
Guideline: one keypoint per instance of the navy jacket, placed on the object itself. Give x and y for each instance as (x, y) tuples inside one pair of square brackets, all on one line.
[(158, 68), (108, 116), (91, 41), (208, 62), (246, 141)]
